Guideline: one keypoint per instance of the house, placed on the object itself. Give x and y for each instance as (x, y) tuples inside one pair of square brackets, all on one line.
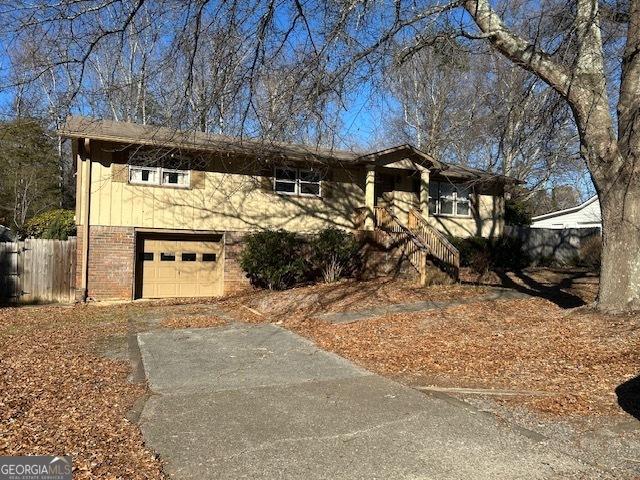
[(585, 215), (163, 213), (6, 235)]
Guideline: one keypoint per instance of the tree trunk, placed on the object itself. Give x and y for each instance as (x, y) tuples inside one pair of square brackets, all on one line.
[(620, 272)]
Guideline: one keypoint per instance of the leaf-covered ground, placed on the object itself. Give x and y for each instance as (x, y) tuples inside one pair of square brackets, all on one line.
[(344, 296), (579, 357), (62, 395), (542, 343)]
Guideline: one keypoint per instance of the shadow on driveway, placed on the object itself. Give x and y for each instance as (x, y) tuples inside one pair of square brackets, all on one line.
[(629, 396)]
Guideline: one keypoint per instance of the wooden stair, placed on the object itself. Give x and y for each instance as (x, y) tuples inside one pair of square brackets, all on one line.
[(423, 242), (447, 256)]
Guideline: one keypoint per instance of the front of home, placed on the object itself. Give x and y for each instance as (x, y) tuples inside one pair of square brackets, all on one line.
[(163, 213)]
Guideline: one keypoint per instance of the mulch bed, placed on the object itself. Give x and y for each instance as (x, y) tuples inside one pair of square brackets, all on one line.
[(59, 396), (531, 345)]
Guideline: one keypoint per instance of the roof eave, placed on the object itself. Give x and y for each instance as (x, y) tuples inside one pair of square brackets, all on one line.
[(400, 152)]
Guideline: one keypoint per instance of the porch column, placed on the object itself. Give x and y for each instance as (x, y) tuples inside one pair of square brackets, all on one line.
[(424, 193), (370, 197)]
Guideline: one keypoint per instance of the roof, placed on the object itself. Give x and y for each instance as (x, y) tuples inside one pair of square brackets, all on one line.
[(138, 134), (469, 173), (6, 234), (566, 210)]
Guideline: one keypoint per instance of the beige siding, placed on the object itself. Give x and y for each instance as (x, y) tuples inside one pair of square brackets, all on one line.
[(228, 201), (234, 199), (489, 221)]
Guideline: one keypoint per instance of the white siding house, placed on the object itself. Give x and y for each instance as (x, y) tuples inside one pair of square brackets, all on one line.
[(585, 215)]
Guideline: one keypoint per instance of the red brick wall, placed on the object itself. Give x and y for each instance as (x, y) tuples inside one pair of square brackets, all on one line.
[(111, 262), (235, 278)]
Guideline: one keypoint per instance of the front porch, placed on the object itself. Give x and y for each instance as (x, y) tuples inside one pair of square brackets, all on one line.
[(398, 189), (396, 211)]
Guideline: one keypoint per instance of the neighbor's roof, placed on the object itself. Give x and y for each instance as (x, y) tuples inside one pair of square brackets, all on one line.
[(566, 210), (138, 134), (6, 234)]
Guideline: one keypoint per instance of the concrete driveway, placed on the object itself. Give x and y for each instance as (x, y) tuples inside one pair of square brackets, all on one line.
[(258, 401)]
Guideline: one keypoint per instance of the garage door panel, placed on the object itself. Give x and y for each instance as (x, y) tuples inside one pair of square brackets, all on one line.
[(167, 273), (180, 268)]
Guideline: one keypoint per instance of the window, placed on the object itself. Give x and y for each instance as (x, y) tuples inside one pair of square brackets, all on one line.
[(208, 257), (159, 176), (309, 182), (179, 178), (188, 257), (449, 199), (167, 257), (143, 175), (297, 181), (145, 256)]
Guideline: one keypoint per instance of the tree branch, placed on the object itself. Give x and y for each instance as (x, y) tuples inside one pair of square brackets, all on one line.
[(516, 48)]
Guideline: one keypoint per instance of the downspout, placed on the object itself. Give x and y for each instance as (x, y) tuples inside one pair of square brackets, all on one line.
[(85, 148)]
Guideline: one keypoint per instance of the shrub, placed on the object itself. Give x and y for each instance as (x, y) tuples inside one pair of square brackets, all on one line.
[(517, 212), (333, 253), (508, 253), (273, 259), (484, 254), (591, 252), (56, 224)]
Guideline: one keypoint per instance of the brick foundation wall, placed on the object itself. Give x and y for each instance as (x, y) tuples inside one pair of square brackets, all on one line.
[(235, 279), (111, 263), (382, 256)]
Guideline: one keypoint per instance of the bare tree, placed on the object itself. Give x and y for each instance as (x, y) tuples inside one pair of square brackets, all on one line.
[(337, 45)]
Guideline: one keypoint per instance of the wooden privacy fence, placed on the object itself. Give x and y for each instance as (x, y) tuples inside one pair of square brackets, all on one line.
[(37, 270)]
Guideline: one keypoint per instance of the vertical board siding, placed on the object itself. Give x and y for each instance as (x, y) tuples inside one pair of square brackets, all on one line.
[(37, 270)]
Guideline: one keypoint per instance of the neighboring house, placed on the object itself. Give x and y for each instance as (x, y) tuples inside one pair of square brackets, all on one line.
[(585, 215), (6, 235), (163, 213)]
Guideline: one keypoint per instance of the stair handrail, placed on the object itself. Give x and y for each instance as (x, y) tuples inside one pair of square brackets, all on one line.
[(399, 226), (385, 219), (445, 241)]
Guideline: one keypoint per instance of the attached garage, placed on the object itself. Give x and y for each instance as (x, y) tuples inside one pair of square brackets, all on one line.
[(179, 265)]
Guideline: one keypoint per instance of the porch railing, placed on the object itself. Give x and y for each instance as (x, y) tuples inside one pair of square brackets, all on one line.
[(439, 246), (423, 241), (415, 249)]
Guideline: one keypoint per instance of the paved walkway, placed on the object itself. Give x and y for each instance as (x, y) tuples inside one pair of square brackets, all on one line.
[(350, 317), (258, 401)]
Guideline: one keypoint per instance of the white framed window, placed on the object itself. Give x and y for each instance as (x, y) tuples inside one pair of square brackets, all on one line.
[(159, 176), (297, 181), (448, 199), (144, 175), (175, 178)]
